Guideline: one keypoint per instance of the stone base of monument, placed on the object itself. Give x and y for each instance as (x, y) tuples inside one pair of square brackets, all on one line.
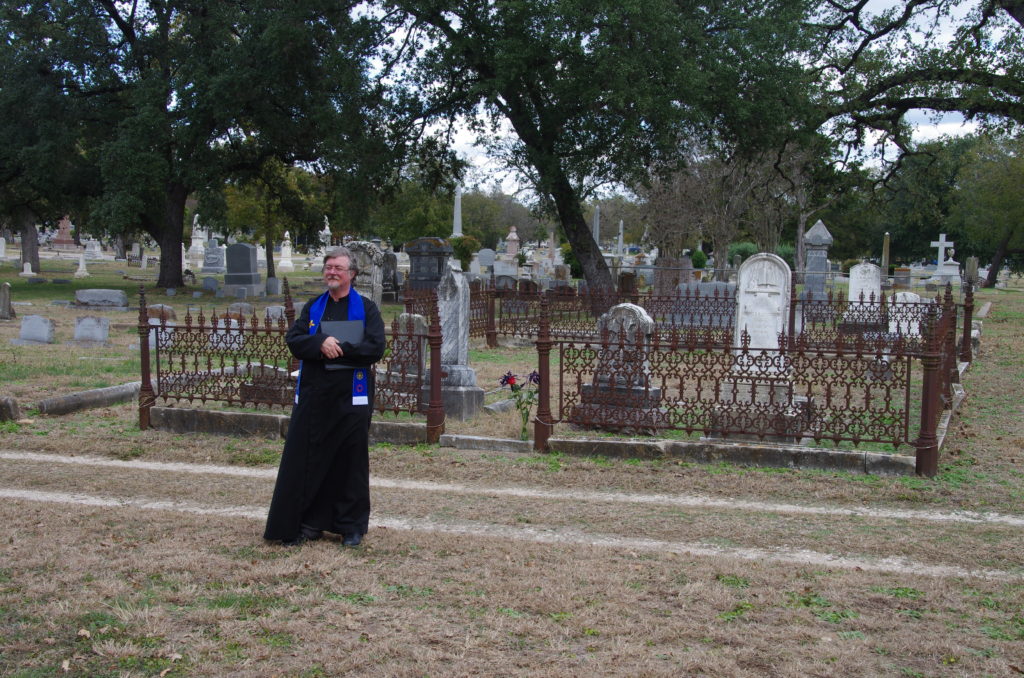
[(767, 405), (462, 398), (621, 407), (245, 291)]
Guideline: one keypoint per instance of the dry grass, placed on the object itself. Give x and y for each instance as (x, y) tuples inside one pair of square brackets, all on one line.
[(121, 590)]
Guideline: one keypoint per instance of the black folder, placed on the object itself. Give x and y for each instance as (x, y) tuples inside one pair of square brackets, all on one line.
[(350, 331)]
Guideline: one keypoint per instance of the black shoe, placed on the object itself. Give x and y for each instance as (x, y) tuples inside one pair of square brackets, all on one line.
[(353, 539), (295, 541), (311, 533)]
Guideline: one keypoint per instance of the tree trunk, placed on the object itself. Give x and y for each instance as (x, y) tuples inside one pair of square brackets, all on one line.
[(800, 258), (595, 270), (120, 246), (269, 244), (25, 219), (997, 259), (170, 236)]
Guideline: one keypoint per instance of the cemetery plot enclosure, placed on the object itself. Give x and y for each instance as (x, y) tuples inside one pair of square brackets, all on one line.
[(238, 361)]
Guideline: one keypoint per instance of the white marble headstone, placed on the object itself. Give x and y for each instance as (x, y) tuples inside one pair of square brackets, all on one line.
[(763, 286), (904, 323), (866, 280), (93, 329), (36, 329)]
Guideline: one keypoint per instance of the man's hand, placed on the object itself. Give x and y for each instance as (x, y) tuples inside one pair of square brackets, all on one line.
[(331, 348)]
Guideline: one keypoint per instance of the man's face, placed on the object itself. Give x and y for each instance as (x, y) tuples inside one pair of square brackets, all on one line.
[(337, 274)]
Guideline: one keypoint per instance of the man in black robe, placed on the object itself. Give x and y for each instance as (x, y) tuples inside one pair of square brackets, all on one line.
[(323, 483)]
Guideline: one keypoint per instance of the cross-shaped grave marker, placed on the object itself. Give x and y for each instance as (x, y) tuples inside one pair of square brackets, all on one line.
[(942, 244)]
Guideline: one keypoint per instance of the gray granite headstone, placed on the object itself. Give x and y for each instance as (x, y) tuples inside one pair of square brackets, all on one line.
[(242, 278), (273, 286), (99, 298), (816, 243), (92, 330), (6, 309), (242, 308), (274, 313), (161, 311), (211, 284), (428, 261), (389, 277), (214, 258), (35, 329)]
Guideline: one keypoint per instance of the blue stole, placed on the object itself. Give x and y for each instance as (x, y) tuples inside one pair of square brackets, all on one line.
[(360, 392)]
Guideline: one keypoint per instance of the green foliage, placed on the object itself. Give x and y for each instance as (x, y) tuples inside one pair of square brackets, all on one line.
[(569, 257), (699, 259), (463, 248), (744, 249), (788, 253)]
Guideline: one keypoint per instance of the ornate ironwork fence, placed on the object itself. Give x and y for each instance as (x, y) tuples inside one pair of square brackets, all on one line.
[(839, 381), (246, 362)]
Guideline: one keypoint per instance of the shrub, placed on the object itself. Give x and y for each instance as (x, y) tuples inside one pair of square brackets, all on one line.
[(699, 259), (744, 249), (788, 253), (463, 248)]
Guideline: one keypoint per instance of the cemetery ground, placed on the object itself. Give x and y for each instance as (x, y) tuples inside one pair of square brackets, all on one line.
[(140, 553)]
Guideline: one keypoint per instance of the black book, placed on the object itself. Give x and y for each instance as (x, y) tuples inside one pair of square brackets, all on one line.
[(350, 331)]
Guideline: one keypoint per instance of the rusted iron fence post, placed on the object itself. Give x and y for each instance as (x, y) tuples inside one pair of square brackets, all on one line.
[(146, 398), (492, 328), (927, 459), (542, 424), (965, 340), (951, 372), (435, 410)]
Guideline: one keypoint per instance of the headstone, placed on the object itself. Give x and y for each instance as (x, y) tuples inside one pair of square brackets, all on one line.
[(6, 309), (100, 298), (762, 308), (462, 397), (486, 258), (26, 270), (370, 262), (621, 395), (863, 310), (906, 321), (92, 330), (902, 279), (93, 251), (273, 287), (274, 313), (865, 284), (948, 269), (242, 274), (564, 274), (171, 291), (971, 271), (619, 244), (241, 309), (81, 272), (758, 395), (3, 248), (389, 277), (512, 242), (35, 329), (816, 243), (64, 241), (211, 284), (213, 258), (428, 261), (286, 265), (505, 268), (474, 264), (143, 261), (506, 282), (161, 311)]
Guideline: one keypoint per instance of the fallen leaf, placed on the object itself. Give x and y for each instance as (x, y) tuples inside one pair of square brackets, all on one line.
[(174, 656), (65, 665), (84, 633)]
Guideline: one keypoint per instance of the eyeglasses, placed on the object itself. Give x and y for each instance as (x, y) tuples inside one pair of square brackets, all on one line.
[(335, 268)]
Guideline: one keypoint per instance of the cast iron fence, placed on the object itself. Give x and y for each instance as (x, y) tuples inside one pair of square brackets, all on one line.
[(233, 360)]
